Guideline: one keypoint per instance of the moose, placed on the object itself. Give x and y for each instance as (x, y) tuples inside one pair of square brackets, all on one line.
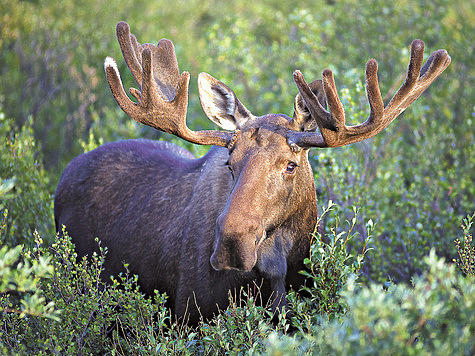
[(241, 215)]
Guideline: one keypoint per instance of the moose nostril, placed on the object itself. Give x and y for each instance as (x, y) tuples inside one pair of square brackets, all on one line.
[(215, 263), (260, 239), (237, 241), (233, 254)]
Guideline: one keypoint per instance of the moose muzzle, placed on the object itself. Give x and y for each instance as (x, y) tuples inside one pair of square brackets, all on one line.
[(237, 242)]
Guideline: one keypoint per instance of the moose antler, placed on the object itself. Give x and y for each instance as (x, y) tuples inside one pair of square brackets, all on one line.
[(162, 99), (334, 132)]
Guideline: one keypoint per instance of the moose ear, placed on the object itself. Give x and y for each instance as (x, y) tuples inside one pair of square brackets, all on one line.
[(220, 103), (302, 119)]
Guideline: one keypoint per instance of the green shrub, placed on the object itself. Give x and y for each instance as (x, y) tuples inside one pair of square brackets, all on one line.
[(436, 316), (24, 188), (21, 276), (329, 266), (466, 251), (74, 312), (21, 297), (89, 310)]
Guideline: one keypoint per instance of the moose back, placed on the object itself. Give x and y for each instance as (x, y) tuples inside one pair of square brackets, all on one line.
[(243, 214)]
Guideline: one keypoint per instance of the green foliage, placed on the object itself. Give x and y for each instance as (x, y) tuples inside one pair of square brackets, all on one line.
[(89, 308), (434, 317), (329, 266), (21, 276), (24, 186), (466, 252), (241, 328), (92, 142)]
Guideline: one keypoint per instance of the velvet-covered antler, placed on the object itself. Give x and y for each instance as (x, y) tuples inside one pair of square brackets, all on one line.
[(162, 99), (333, 130)]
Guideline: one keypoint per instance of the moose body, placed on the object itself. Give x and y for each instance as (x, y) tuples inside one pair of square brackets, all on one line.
[(243, 214), (155, 206)]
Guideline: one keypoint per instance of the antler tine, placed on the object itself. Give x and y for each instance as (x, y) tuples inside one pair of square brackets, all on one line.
[(163, 99), (322, 116), (334, 131), (396, 105), (165, 68), (131, 51), (417, 79), (165, 64), (115, 84)]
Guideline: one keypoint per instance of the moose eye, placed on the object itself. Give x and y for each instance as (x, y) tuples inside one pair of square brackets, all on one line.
[(291, 167)]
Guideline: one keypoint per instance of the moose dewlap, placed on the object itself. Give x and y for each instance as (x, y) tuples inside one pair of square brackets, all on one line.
[(241, 215)]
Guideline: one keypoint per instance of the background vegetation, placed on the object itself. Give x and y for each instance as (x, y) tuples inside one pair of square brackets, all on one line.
[(414, 180)]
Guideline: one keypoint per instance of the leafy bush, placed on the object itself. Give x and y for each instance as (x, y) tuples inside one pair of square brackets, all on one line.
[(329, 266), (466, 251), (22, 276), (88, 308), (24, 188), (434, 317)]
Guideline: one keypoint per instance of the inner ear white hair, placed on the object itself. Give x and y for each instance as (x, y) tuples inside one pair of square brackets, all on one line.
[(220, 103)]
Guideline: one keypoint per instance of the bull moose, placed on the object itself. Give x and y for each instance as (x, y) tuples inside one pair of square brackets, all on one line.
[(243, 213)]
